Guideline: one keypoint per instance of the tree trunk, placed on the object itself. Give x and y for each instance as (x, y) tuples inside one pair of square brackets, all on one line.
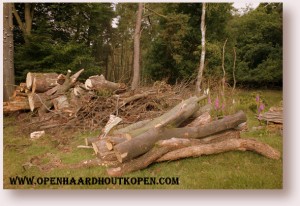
[(202, 59), (145, 141), (233, 70), (41, 82), (99, 83), (136, 52), (27, 25), (8, 52), (224, 72)]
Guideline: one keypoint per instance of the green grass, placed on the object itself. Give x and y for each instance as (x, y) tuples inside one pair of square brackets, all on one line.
[(231, 170)]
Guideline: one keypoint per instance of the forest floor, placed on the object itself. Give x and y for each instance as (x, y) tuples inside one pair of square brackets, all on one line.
[(231, 170)]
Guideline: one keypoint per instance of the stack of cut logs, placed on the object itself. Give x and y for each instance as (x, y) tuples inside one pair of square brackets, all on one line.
[(187, 130), (58, 93)]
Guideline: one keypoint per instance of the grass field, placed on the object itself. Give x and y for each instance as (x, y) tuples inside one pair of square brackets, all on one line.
[(231, 170)]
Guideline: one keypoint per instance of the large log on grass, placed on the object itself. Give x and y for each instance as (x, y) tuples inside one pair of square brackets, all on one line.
[(41, 82), (144, 142), (191, 148), (99, 83)]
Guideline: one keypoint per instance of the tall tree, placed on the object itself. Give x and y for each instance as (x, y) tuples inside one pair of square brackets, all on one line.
[(136, 53), (25, 26), (202, 59), (8, 52)]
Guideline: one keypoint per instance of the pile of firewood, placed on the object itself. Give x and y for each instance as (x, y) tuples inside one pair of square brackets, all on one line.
[(187, 130), (56, 101)]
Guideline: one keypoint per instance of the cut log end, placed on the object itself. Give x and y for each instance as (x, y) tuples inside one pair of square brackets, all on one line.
[(29, 80), (88, 84)]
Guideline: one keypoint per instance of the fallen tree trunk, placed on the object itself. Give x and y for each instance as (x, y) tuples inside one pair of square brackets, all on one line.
[(99, 83), (144, 142), (172, 118), (163, 152), (43, 80), (131, 127), (220, 147), (201, 120)]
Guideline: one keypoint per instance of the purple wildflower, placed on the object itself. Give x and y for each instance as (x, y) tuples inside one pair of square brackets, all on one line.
[(257, 98)]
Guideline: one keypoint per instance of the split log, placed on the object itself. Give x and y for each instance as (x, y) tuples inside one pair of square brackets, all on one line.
[(163, 152), (144, 142), (42, 82), (18, 103), (40, 76), (99, 83)]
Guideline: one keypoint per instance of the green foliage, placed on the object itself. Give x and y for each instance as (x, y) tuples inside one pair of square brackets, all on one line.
[(259, 46)]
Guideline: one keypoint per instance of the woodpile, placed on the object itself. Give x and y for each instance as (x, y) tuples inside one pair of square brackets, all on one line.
[(174, 135), (274, 115)]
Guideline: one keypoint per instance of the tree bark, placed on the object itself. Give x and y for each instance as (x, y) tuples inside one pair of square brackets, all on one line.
[(99, 83), (145, 141), (136, 52), (233, 70), (27, 25), (8, 52), (202, 58)]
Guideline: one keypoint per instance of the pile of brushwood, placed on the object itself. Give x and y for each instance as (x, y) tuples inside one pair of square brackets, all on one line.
[(55, 101), (139, 130)]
